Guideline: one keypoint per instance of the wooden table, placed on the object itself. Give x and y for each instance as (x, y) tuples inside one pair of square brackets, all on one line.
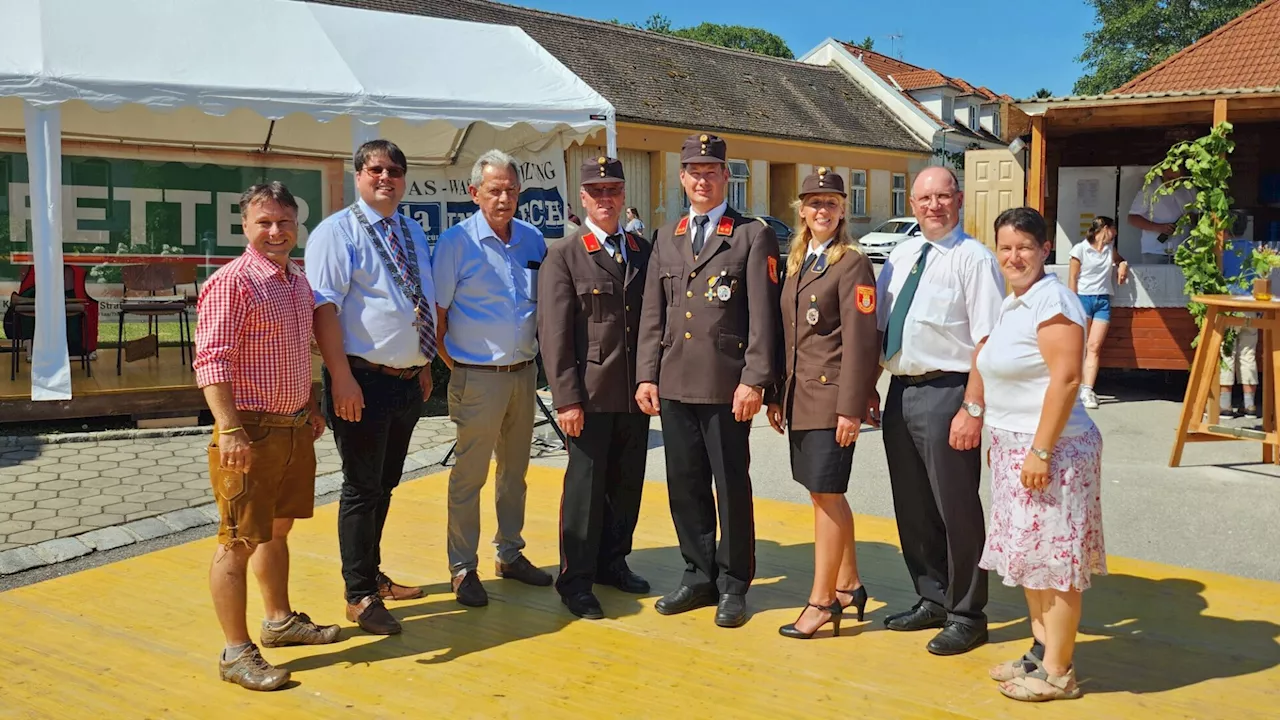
[(1200, 420)]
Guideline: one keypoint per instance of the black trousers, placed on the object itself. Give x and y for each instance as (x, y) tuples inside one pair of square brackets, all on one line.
[(601, 501), (935, 497), (705, 442), (372, 452)]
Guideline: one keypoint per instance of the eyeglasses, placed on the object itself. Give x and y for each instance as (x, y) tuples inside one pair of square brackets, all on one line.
[(940, 198), (597, 191), (392, 172)]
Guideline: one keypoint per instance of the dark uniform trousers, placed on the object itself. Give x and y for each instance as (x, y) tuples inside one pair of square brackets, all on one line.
[(935, 496), (588, 322), (710, 323)]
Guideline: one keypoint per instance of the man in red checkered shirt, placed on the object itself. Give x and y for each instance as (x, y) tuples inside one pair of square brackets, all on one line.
[(253, 361)]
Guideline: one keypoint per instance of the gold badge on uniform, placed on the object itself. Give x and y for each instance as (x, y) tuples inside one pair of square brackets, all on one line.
[(724, 293), (811, 316)]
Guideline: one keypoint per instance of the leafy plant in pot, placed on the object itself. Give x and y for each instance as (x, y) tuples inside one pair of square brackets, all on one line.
[(1263, 262)]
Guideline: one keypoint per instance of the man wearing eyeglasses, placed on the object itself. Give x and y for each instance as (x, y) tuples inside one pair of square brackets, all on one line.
[(486, 276), (941, 296), (370, 269), (588, 321)]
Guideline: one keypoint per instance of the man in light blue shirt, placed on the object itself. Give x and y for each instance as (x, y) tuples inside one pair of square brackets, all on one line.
[(486, 280), (370, 270)]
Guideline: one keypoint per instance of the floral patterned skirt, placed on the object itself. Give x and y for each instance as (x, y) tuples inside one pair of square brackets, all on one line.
[(1049, 538)]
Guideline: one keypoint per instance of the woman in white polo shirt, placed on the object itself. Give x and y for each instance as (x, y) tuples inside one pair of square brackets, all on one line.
[(1045, 533), (1090, 277)]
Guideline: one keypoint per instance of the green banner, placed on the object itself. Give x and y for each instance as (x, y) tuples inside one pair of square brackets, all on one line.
[(124, 211)]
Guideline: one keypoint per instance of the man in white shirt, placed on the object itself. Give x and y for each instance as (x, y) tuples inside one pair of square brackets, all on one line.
[(1157, 217), (941, 296)]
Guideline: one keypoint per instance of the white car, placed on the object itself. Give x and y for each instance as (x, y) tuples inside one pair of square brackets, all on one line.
[(878, 243)]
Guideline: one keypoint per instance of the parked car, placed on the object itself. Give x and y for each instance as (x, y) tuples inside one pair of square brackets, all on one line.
[(881, 241), (783, 231)]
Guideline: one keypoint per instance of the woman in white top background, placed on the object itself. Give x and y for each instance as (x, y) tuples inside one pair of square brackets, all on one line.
[(1092, 262), (1045, 532)]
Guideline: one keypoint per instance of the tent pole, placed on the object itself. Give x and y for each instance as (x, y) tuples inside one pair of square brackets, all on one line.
[(611, 133), (50, 364)]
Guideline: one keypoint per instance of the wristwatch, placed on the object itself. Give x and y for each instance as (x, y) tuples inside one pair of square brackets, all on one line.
[(974, 409), (1042, 454)]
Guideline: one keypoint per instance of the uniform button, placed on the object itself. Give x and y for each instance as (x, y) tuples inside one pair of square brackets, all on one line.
[(688, 336), (693, 274), (595, 291), (688, 293), (688, 315), (822, 378), (628, 308), (739, 346)]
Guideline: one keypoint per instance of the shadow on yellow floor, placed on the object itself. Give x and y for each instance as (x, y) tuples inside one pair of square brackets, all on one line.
[(138, 639)]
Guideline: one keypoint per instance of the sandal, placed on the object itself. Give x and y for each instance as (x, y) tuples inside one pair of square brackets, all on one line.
[(1014, 668), (1040, 686)]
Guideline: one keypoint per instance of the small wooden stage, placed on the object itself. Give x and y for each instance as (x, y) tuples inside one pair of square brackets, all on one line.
[(153, 387), (138, 638)]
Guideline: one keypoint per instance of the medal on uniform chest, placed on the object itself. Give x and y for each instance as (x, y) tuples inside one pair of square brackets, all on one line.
[(724, 293), (811, 316)]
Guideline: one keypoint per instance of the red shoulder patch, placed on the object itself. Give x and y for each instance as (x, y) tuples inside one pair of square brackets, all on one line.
[(866, 299), (773, 269), (632, 244), (725, 227), (590, 242), (682, 227)]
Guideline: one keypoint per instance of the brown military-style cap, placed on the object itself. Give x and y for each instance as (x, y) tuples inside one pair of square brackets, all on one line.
[(703, 148), (601, 170), (823, 180)]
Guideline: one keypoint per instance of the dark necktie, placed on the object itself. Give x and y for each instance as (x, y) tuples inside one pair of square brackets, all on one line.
[(423, 315), (699, 233), (902, 304), (614, 243)]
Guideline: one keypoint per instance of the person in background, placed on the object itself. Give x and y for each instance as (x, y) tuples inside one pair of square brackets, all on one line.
[(1157, 217), (634, 223), (1242, 361), (1045, 533), (253, 362), (1092, 262), (832, 360)]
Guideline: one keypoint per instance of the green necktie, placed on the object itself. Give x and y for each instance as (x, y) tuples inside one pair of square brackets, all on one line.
[(902, 305)]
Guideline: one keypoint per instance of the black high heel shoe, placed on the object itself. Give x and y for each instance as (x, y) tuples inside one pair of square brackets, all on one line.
[(837, 613), (859, 601)]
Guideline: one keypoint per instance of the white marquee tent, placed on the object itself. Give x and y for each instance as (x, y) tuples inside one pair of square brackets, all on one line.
[(263, 75)]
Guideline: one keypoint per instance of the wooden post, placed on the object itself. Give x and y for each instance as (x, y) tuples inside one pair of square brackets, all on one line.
[(1036, 173), (1219, 116)]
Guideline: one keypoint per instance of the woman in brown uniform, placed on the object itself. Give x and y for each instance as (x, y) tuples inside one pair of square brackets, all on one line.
[(832, 356)]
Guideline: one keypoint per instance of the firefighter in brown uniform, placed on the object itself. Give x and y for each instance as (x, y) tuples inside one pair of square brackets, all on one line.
[(589, 299), (707, 348), (832, 358)]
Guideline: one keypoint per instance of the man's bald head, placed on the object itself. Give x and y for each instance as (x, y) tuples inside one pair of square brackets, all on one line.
[(936, 201)]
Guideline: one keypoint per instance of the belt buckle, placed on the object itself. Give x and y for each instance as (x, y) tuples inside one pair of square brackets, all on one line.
[(406, 374)]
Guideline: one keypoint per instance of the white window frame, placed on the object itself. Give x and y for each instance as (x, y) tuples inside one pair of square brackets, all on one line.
[(973, 117), (858, 193), (899, 195), (736, 194), (948, 109), (995, 122)]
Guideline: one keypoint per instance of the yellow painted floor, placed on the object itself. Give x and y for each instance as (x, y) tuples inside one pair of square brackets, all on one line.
[(137, 639)]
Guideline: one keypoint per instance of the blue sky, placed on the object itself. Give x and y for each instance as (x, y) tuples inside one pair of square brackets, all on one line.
[(998, 43)]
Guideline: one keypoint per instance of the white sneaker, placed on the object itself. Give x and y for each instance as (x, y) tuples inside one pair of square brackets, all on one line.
[(1089, 398)]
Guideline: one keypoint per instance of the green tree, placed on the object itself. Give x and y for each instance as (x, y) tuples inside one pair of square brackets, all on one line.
[(739, 38), (868, 43), (1135, 35), (658, 23), (1044, 93)]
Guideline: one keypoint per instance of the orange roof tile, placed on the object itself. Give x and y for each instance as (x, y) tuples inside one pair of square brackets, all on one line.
[(1244, 53)]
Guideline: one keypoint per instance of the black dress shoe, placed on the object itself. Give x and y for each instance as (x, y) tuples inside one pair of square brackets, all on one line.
[(731, 612), (686, 598), (919, 617), (626, 581), (524, 571), (372, 616), (957, 638), (469, 591), (584, 605)]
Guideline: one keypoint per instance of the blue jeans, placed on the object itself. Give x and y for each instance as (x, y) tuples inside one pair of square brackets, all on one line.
[(1097, 307)]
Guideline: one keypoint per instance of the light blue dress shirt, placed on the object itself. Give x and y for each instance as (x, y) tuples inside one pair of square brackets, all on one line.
[(490, 289), (344, 268)]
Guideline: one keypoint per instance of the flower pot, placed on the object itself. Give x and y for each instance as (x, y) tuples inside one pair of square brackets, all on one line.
[(1262, 289)]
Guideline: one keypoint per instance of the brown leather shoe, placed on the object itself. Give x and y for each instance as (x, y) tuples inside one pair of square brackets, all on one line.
[(299, 630), (389, 590), (251, 672), (524, 571), (372, 616)]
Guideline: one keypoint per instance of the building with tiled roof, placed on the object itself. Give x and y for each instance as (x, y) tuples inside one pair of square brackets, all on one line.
[(779, 117), (949, 113), (1244, 53)]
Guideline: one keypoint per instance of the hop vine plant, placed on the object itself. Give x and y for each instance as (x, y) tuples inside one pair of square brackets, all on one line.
[(1205, 168)]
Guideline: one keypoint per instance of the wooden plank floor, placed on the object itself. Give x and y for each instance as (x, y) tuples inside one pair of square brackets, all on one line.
[(138, 639)]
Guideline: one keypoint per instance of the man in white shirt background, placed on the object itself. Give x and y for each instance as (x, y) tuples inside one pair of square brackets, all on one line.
[(941, 295), (1157, 217)]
